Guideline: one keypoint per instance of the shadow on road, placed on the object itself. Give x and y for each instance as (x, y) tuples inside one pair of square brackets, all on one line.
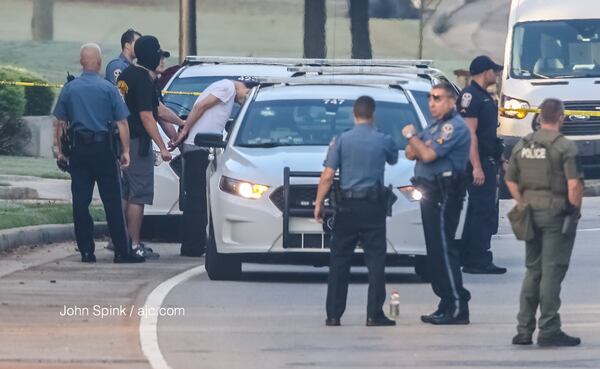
[(321, 277)]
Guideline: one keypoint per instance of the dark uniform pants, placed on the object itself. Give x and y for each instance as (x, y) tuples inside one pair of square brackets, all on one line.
[(547, 259), (481, 221), (364, 221), (93, 163), (194, 210), (440, 212)]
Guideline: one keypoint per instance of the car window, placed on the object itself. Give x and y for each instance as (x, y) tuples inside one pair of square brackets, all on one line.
[(315, 121), (423, 102), (181, 104)]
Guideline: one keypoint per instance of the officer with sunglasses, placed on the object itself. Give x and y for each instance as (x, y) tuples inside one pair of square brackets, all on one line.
[(441, 152)]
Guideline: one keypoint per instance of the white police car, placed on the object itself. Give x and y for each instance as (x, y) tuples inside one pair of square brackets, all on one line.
[(262, 182)]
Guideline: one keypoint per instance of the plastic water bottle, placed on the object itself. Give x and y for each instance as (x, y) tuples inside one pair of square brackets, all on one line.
[(394, 305)]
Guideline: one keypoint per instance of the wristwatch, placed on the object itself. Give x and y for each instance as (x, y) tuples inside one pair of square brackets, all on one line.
[(409, 135)]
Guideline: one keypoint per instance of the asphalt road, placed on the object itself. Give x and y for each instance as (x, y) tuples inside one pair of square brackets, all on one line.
[(274, 318)]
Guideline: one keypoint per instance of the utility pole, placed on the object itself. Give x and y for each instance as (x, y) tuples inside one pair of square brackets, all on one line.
[(42, 20), (187, 29), (315, 17)]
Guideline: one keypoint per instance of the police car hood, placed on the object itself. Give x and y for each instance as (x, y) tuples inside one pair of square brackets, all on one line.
[(265, 165)]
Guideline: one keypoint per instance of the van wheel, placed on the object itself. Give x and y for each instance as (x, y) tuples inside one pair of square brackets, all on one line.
[(221, 267), (422, 268)]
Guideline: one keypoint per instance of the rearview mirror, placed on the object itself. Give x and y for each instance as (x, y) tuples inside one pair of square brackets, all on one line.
[(210, 140)]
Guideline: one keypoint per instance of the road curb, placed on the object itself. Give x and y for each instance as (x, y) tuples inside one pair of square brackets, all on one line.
[(43, 234)]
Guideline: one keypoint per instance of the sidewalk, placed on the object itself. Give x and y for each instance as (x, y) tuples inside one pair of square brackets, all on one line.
[(47, 189), (37, 284)]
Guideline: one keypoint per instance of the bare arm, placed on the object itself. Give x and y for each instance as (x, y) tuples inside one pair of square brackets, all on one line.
[(324, 186), (124, 137), (575, 192), (421, 151), (166, 114), (513, 187), (409, 152), (152, 129), (60, 124), (197, 111), (478, 176), (168, 128)]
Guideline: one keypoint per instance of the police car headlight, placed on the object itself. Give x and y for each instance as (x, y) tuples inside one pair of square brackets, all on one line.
[(509, 104), (411, 193), (244, 189)]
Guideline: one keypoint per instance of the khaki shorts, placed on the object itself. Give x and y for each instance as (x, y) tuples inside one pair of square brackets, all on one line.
[(138, 179)]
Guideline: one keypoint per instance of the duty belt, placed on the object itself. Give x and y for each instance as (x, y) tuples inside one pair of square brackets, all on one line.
[(88, 137), (368, 193)]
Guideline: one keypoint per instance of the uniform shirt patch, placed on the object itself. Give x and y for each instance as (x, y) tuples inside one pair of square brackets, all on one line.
[(465, 102), (447, 131), (117, 73), (533, 153)]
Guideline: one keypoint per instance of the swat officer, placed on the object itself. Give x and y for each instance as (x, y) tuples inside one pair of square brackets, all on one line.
[(441, 152), (118, 64), (360, 155), (89, 105), (543, 174), (480, 112)]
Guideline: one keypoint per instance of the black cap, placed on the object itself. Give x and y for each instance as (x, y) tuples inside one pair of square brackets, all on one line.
[(148, 52), (482, 63)]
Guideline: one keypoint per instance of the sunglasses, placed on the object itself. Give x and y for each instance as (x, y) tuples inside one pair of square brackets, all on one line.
[(436, 98)]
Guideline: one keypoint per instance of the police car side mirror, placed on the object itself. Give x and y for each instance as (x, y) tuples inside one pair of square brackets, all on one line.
[(209, 140), (229, 125)]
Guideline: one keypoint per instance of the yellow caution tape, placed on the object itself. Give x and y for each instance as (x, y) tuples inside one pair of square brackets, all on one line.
[(586, 113), (58, 85)]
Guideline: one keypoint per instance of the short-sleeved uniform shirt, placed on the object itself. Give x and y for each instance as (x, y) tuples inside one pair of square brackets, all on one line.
[(115, 67), (536, 190), (214, 119), (140, 94), (90, 103), (475, 102), (450, 138), (360, 154)]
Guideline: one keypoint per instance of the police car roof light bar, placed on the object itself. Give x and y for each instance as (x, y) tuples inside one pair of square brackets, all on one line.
[(303, 61), (332, 80), (400, 69)]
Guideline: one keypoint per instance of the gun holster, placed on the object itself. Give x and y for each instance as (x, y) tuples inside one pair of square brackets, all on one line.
[(114, 140)]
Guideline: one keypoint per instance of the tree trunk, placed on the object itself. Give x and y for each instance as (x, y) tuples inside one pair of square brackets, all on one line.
[(42, 21), (359, 28), (421, 29), (187, 28), (315, 16)]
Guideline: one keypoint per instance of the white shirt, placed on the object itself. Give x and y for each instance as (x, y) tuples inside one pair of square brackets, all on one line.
[(214, 119)]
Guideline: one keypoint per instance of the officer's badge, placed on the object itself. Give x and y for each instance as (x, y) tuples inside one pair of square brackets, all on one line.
[(123, 87), (465, 101), (446, 133)]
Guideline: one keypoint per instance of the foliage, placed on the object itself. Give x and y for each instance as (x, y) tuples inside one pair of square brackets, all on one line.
[(38, 100), (17, 214), (13, 133)]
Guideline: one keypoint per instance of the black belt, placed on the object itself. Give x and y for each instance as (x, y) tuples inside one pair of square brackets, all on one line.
[(88, 137), (368, 193)]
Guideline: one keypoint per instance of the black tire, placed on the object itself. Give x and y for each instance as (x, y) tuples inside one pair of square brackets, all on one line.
[(220, 267), (422, 268)]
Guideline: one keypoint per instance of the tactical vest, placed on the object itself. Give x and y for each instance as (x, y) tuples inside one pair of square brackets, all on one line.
[(541, 177)]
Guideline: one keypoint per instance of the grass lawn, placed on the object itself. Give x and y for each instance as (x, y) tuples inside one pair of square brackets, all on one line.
[(224, 27), (28, 166), (16, 214)]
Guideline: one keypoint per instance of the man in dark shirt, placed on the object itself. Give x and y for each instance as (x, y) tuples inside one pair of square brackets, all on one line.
[(137, 86), (480, 112)]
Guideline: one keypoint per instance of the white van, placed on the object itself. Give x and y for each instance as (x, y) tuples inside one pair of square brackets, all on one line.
[(553, 51)]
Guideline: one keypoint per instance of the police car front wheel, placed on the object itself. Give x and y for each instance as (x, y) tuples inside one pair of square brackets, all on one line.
[(220, 267)]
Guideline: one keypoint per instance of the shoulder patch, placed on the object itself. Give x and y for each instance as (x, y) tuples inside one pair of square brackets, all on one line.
[(116, 73), (123, 87), (447, 131), (466, 99)]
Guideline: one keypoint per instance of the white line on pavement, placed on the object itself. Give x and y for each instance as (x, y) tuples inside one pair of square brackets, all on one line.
[(149, 322)]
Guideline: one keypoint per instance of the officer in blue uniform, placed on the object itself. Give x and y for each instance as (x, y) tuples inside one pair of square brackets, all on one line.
[(480, 112), (118, 64), (441, 152), (90, 105), (360, 155)]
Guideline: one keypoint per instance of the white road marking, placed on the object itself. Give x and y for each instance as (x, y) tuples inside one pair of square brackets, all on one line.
[(149, 323)]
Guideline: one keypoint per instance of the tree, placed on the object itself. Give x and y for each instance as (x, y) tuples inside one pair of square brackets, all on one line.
[(426, 6), (359, 29), (315, 16), (187, 28), (42, 20)]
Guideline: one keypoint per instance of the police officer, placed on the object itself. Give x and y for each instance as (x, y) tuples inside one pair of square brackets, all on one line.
[(480, 112), (441, 152), (89, 105), (360, 155), (118, 64), (543, 174)]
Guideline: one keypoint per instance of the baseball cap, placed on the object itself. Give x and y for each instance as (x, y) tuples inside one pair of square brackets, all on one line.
[(482, 63)]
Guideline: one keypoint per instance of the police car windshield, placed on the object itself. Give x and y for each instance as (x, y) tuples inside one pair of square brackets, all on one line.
[(182, 104), (556, 49), (422, 99), (315, 122)]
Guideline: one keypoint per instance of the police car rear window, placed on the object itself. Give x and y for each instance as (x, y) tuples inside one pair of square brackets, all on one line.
[(314, 122)]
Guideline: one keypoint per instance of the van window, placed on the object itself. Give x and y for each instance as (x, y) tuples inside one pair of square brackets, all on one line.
[(556, 49)]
